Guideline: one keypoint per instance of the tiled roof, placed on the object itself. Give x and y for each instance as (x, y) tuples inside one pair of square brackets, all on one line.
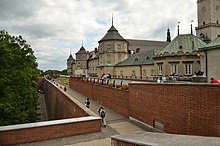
[(146, 45), (214, 44), (82, 50), (139, 59), (186, 43), (112, 34), (70, 57), (93, 55)]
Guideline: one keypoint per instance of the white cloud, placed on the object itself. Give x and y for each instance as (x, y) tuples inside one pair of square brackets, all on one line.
[(54, 27)]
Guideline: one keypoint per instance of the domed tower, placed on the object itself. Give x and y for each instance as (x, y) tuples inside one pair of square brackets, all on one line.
[(70, 64), (208, 19), (113, 48)]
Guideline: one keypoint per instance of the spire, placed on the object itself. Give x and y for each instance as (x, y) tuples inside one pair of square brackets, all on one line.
[(191, 27), (112, 19), (168, 35), (82, 42), (178, 29)]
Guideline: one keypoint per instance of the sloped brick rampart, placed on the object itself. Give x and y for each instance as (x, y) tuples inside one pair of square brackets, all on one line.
[(115, 99), (71, 119)]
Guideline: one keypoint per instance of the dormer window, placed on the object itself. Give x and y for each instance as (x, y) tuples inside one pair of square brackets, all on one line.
[(136, 59), (180, 47)]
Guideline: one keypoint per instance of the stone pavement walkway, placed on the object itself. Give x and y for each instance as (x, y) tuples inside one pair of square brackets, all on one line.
[(116, 124)]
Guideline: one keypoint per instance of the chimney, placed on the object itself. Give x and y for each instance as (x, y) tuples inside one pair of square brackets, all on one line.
[(138, 50), (96, 50)]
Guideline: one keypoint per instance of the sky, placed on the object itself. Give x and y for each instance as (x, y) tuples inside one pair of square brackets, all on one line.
[(56, 28)]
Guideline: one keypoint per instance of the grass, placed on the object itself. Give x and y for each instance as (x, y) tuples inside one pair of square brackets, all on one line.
[(63, 80)]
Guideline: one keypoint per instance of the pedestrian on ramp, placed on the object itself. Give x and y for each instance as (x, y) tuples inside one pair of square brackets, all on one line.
[(101, 112), (87, 103)]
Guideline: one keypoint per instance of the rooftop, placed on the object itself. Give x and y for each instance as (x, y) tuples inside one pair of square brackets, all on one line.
[(112, 34), (186, 43)]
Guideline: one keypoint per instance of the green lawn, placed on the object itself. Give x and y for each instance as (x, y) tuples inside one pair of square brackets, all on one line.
[(64, 80)]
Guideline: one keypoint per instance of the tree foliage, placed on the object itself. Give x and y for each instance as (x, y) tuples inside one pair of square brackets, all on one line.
[(18, 75)]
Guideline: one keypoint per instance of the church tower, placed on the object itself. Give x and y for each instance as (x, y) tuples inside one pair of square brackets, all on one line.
[(208, 12)]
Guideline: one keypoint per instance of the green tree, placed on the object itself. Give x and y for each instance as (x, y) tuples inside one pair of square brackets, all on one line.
[(64, 72), (18, 76)]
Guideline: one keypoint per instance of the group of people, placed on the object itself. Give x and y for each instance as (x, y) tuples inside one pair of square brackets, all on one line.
[(101, 112), (164, 79)]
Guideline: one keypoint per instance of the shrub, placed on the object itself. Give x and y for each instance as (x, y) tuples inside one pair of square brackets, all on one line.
[(124, 87)]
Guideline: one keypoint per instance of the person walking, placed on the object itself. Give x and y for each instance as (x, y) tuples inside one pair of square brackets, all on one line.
[(102, 115), (87, 103)]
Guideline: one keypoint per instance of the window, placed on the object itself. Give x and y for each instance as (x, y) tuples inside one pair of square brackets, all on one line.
[(119, 47), (108, 47), (188, 69), (144, 73), (174, 69), (121, 73), (160, 69), (133, 73), (152, 72), (108, 58), (119, 57)]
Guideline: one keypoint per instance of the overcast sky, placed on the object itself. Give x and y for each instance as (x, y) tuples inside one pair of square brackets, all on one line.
[(53, 28)]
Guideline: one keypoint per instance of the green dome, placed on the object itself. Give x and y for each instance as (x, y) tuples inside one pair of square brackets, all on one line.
[(185, 43)]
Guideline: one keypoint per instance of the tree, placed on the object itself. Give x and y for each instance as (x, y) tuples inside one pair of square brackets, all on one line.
[(18, 76)]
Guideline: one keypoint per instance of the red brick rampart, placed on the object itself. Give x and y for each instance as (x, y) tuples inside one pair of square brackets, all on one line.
[(60, 107), (192, 109), (181, 108), (115, 99)]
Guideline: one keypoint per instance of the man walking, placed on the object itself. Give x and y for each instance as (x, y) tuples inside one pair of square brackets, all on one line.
[(102, 115), (87, 103)]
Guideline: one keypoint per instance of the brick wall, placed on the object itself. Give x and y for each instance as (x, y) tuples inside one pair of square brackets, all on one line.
[(115, 99), (59, 106), (192, 109), (32, 134), (183, 109)]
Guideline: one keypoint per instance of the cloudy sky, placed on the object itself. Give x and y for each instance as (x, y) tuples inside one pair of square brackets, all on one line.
[(53, 28)]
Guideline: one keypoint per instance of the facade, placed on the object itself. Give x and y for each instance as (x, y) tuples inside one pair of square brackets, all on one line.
[(146, 59), (81, 62), (210, 59), (180, 57), (138, 66), (93, 63), (208, 19), (113, 48), (71, 65)]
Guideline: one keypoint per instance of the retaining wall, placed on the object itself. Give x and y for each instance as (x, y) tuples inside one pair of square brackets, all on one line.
[(72, 115), (180, 108), (192, 109), (115, 99)]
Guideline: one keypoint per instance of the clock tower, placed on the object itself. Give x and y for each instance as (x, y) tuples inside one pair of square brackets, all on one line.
[(208, 19)]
